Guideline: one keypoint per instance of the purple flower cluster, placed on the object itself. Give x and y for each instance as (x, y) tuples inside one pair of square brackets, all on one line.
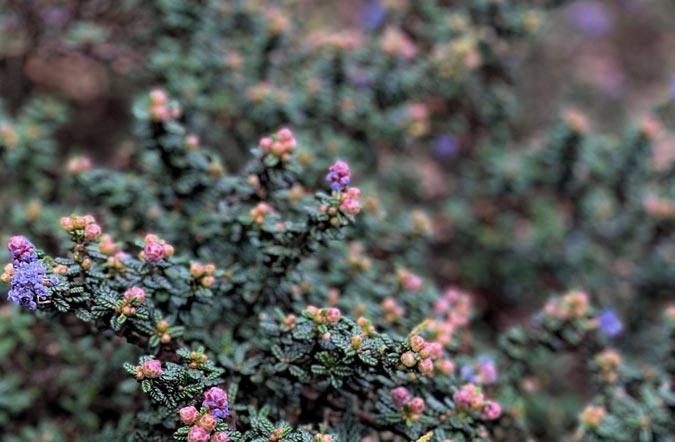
[(21, 250), (215, 400), (609, 323), (29, 277), (339, 175)]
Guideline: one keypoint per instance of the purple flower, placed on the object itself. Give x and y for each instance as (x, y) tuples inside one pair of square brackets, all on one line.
[(445, 146), (339, 175), (215, 400), (28, 284), (372, 14), (468, 374), (21, 250), (591, 18), (609, 323), (487, 370)]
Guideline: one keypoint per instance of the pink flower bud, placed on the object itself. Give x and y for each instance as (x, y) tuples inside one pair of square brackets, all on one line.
[(158, 96), (408, 359), (333, 315), (135, 295), (168, 250), (492, 410), (152, 368), (153, 252), (208, 422), (426, 367), (417, 343), (198, 434), (188, 415), (67, 224), (92, 232), (400, 395), (416, 405), (220, 437)]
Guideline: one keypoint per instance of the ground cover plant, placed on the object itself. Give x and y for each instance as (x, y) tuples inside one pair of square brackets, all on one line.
[(240, 221)]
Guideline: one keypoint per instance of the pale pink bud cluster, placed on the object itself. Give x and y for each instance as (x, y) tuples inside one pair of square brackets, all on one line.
[(155, 249), (160, 108), (574, 304), (423, 354), (330, 315), (150, 369), (77, 165), (397, 44), (259, 212), (412, 407), (453, 311), (131, 299), (350, 204), (107, 245), (392, 311), (409, 280), (204, 274), (83, 228), (471, 399), (280, 145)]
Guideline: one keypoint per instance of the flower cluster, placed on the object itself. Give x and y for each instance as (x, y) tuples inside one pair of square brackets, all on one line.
[(471, 399), (280, 145), (259, 212), (408, 280), (130, 301), (412, 407), (26, 274), (608, 363), (350, 204), (150, 369), (484, 374), (330, 315), (339, 175), (423, 354), (573, 305), (593, 415), (155, 249), (160, 108), (79, 164), (392, 310), (204, 274), (81, 228)]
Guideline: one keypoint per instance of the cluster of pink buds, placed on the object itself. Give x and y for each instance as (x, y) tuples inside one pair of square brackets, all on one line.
[(203, 425), (397, 44), (155, 249), (196, 358), (7, 273), (259, 212), (280, 145), (205, 274), (412, 407), (409, 280), (453, 311), (107, 245), (149, 370), (8, 136), (131, 299), (471, 399), (418, 119), (192, 141), (366, 327), (323, 438), (608, 363), (593, 415), (329, 315), (81, 228), (574, 304), (160, 108), (423, 354), (392, 311), (349, 201), (356, 258), (77, 165)]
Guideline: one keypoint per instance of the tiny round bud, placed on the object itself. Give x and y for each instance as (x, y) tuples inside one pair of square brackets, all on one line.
[(152, 368), (188, 415), (417, 343), (408, 359), (333, 315), (208, 422), (92, 232), (417, 405)]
